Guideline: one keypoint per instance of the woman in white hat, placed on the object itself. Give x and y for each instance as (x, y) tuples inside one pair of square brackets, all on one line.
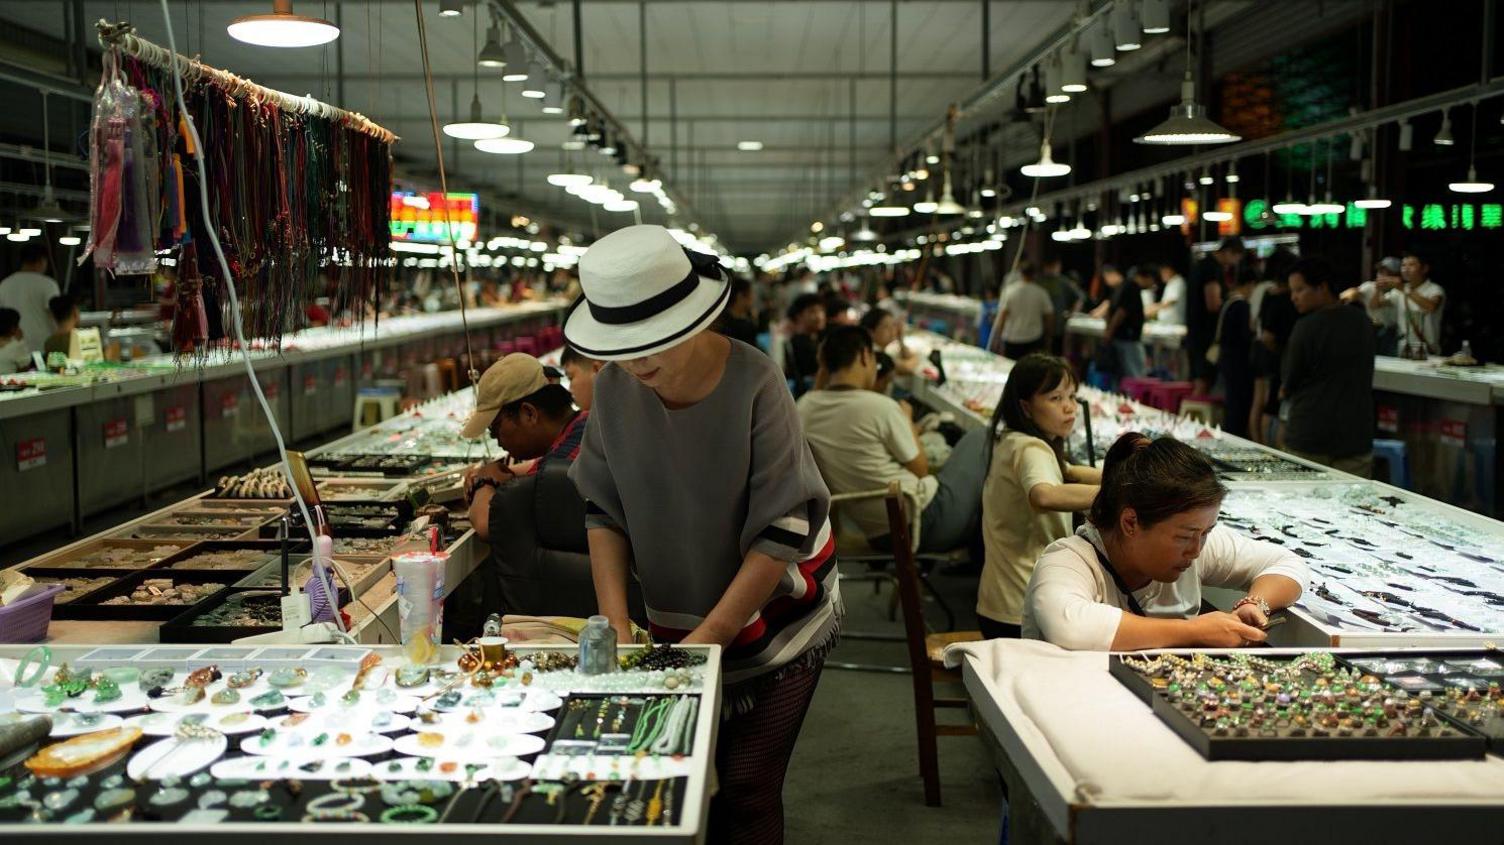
[(697, 477)]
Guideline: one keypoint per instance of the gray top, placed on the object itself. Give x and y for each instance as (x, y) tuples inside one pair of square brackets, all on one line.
[(696, 489)]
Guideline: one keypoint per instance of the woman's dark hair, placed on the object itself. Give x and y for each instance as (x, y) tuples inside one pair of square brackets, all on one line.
[(570, 355), (1034, 374), (9, 319), (843, 347), (552, 401), (1157, 478), (874, 318)]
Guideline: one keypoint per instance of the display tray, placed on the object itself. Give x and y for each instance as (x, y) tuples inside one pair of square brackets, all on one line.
[(360, 573), (1256, 464), (93, 607), (1305, 707), (77, 583), (360, 489), (1464, 687), (257, 553), (104, 552), (191, 534), (191, 626), (358, 518)]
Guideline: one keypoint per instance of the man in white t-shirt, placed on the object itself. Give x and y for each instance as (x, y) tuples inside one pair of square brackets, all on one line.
[(28, 290), (1170, 309), (862, 440), (1026, 316), (1419, 303)]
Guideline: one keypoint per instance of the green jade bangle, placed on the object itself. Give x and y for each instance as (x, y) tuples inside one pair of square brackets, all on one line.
[(268, 812), (409, 814), (41, 657)]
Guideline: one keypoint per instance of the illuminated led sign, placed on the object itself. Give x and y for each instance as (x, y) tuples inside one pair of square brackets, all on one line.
[(421, 217)]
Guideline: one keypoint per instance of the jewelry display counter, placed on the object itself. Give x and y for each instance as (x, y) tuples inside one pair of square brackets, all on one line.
[(1390, 568), (113, 433), (1086, 760), (330, 743)]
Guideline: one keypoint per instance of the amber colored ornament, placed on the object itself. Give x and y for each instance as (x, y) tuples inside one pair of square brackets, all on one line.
[(84, 752)]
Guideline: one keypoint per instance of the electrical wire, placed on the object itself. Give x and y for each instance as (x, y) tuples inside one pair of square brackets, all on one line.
[(236, 322)]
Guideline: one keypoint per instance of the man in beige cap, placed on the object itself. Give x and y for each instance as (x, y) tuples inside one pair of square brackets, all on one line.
[(534, 421)]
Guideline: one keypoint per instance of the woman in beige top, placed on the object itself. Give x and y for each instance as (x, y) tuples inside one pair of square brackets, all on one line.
[(1031, 490)]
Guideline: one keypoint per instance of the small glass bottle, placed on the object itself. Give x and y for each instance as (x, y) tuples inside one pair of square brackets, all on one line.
[(597, 647), (492, 627)]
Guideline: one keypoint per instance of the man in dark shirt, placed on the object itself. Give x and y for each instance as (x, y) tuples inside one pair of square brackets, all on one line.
[(1328, 374), (533, 420), (807, 323), (1213, 276), (739, 320)]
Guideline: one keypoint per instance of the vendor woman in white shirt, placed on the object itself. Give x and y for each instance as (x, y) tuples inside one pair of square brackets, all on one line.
[(1131, 579)]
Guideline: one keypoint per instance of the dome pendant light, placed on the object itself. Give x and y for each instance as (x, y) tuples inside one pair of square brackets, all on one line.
[(1188, 123), (1472, 185), (926, 205), (1373, 200), (491, 55), (282, 28), (1327, 205), (477, 127), (948, 205), (1046, 167)]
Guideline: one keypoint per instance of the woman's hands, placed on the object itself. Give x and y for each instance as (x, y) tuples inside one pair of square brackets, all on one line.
[(1225, 630)]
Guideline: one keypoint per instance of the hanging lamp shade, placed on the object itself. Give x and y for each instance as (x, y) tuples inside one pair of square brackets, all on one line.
[(1073, 69), (645, 185), (1289, 205), (504, 146), (1103, 50), (888, 211), (534, 87), (451, 8), (477, 127), (1125, 29), (1373, 200), (1188, 123), (1046, 167), (282, 28), (516, 61), (48, 210), (1471, 185), (1155, 16), (1444, 134), (553, 103), (491, 55), (948, 205), (568, 178), (1053, 92)]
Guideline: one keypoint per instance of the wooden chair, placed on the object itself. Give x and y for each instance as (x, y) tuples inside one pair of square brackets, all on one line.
[(925, 651)]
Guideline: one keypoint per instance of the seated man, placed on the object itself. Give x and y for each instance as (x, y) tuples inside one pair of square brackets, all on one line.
[(532, 420), (65, 315), (861, 440), (581, 373), (806, 323)]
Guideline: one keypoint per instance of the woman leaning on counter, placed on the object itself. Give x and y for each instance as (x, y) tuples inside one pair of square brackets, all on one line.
[(1132, 577)]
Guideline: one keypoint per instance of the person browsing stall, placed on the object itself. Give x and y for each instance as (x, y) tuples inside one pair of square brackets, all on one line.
[(28, 291), (533, 420), (1419, 303), (862, 440), (1132, 577), (806, 324), (65, 315), (1031, 489), (1026, 316), (580, 371), (697, 479), (14, 356), (739, 320)]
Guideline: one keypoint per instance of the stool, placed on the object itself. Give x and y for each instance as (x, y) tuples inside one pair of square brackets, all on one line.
[(1204, 409), (1136, 389), (374, 404), (1098, 379), (1166, 395), (1392, 453)]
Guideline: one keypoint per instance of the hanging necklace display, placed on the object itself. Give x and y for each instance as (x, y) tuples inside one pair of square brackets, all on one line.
[(301, 190)]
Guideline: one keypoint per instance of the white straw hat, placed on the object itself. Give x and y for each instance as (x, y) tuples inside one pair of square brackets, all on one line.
[(643, 293)]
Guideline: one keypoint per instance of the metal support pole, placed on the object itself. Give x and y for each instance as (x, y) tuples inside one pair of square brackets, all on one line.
[(893, 77), (642, 46), (986, 40), (339, 54), (673, 124), (579, 42)]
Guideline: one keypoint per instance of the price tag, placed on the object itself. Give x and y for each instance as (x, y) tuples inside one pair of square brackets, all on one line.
[(176, 418), (340, 375), (272, 389), (229, 405), (1389, 419), (310, 385), (31, 454), (116, 432), (365, 370), (1454, 432)]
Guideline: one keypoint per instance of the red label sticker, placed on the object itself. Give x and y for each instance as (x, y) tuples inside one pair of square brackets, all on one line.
[(1454, 432), (272, 389), (310, 385), (176, 418), (340, 375), (365, 370), (229, 405), (116, 432), (1389, 419), (31, 454)]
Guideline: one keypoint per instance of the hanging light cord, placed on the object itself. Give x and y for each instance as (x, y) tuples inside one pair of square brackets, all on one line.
[(438, 149)]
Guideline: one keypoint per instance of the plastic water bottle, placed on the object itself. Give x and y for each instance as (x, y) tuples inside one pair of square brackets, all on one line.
[(597, 647)]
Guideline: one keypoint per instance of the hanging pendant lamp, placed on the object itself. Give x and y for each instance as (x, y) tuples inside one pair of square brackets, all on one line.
[(1471, 185), (1046, 167), (477, 127), (1188, 123), (282, 28)]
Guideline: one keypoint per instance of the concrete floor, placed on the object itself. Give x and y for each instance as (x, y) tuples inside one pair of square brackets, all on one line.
[(855, 773)]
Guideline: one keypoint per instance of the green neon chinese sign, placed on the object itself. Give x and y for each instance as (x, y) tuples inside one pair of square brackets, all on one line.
[(1429, 217)]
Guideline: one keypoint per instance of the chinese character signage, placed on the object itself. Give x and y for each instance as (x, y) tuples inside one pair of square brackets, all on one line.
[(1426, 217), (421, 217)]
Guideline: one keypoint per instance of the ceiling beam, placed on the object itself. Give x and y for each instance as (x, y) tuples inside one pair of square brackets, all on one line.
[(634, 76)]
